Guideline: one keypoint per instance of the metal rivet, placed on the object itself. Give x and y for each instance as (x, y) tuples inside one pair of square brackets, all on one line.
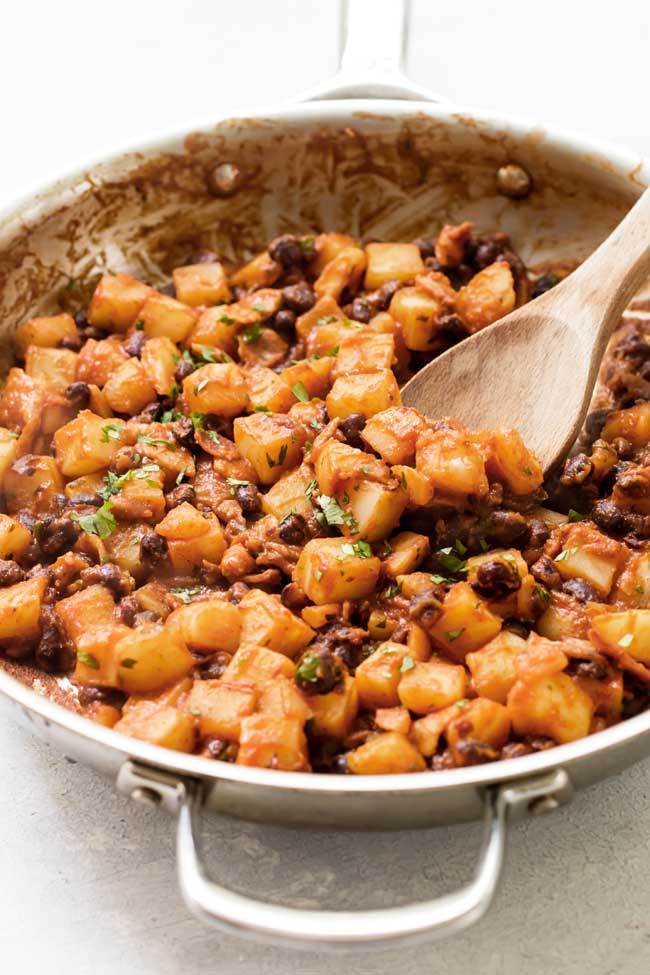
[(148, 797), (543, 804)]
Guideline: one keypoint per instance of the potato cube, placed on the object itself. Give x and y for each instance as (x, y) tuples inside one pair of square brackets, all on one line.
[(426, 731), (22, 400), (267, 391), (393, 434), (418, 488), (317, 616), (328, 573), (123, 547), (338, 466), (431, 684), (270, 442), (633, 424), (94, 604), (408, 549), (269, 742), (386, 754), (489, 296), (8, 450), (343, 271), (365, 352), (493, 666), (393, 719), (258, 666), (165, 317), (216, 388), (159, 359), (46, 331), (193, 537), (287, 495), (259, 272), (590, 555), (391, 262), (96, 664), (20, 610), (220, 707), (376, 509), (451, 245), (87, 444), (166, 727), (452, 464), (378, 676), (208, 625), (98, 360), (333, 714), (552, 706), (482, 721), (509, 461), (282, 699), (309, 376), (129, 389), (150, 658), (32, 480), (366, 393), (628, 631), (325, 311), (57, 368), (327, 247), (201, 284), (267, 623), (632, 589), (15, 539), (216, 330), (420, 316), (465, 623), (116, 302)]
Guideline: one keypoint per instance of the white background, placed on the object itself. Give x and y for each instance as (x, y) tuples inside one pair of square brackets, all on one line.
[(86, 878)]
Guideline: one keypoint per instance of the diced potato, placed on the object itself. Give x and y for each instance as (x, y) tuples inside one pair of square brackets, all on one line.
[(632, 589), (365, 352), (564, 617), (386, 754), (164, 317), (96, 664), (46, 331), (8, 450), (167, 727), (220, 707), (129, 389), (393, 719), (98, 360), (14, 538), (413, 583), (482, 721), (421, 315), (493, 666), (20, 610), (94, 603), (312, 374), (255, 308), (418, 488), (267, 623), (378, 676), (317, 616), (552, 706), (117, 301), (633, 424), (215, 329), (87, 444), (431, 684), (258, 666), (150, 658), (261, 346), (269, 742), (282, 699), (489, 296), (216, 388), (391, 262), (628, 631), (590, 555), (418, 642), (426, 731), (267, 390), (32, 480), (408, 550), (366, 393), (208, 625), (325, 311), (325, 338), (260, 272), (338, 466), (393, 434), (452, 243), (333, 714), (343, 271), (103, 714), (327, 573), (376, 509), (452, 464), (509, 461), (55, 367), (271, 443), (123, 547), (201, 284), (193, 537), (327, 247), (465, 623), (21, 401), (287, 495), (159, 358)]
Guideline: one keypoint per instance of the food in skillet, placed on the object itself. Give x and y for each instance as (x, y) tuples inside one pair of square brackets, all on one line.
[(224, 528)]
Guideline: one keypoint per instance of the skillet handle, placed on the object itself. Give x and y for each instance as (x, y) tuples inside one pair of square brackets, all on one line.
[(299, 928), (373, 42)]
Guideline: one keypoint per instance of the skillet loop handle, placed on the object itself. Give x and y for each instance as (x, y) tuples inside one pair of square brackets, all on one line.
[(299, 928), (373, 41)]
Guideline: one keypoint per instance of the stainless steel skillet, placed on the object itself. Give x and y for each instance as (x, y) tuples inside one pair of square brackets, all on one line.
[(367, 154)]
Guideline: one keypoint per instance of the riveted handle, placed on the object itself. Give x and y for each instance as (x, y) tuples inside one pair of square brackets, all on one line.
[(373, 41)]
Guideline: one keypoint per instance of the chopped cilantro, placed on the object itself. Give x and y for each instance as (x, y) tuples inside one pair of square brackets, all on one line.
[(260, 309), (527, 470), (181, 475), (311, 487), (88, 659), (391, 591), (226, 320), (197, 420), (100, 522), (318, 575), (111, 432), (402, 478), (185, 593), (565, 554), (299, 391), (234, 483), (139, 325), (626, 640), (306, 245), (334, 514), (252, 333), (484, 545), (438, 579), (408, 663), (454, 634), (128, 662), (542, 594), (199, 386), (460, 548), (450, 561), (575, 515), (327, 320), (639, 589)]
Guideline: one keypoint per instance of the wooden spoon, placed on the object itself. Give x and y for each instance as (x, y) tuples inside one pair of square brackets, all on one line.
[(535, 369)]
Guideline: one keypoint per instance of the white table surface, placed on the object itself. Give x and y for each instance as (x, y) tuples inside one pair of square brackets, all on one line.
[(87, 878)]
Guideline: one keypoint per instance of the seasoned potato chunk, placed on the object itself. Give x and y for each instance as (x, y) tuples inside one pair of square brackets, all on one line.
[(452, 464), (365, 352), (8, 450), (32, 480), (129, 389), (552, 706), (159, 358), (308, 378), (267, 623), (493, 666), (509, 461), (464, 624), (271, 443), (288, 495), (366, 393), (479, 723), (270, 742), (489, 296), (216, 388), (165, 317), (201, 284), (328, 572), (220, 707), (117, 301), (418, 488), (20, 610), (421, 313), (590, 555), (386, 754), (215, 329), (166, 727), (378, 676), (94, 603), (267, 391), (150, 658), (98, 360), (627, 632), (46, 332), (282, 699), (54, 367), (376, 509), (633, 424), (343, 271), (257, 665), (334, 713), (408, 549), (391, 262), (431, 684), (193, 537), (14, 538), (208, 625), (452, 243), (393, 434), (96, 663), (87, 444)]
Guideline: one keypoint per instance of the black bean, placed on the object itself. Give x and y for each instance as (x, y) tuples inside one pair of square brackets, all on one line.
[(539, 534), (299, 297), (168, 289), (425, 606), (351, 429), (285, 319), (56, 535), (108, 575), (495, 579), (135, 344), (84, 500), (607, 516), (215, 666), (487, 252), (248, 498), (506, 528), (581, 590), (237, 592), (183, 431), (183, 370), (71, 342), (293, 597), (54, 652), (318, 671), (544, 284), (182, 494), (360, 310), (339, 765), (286, 250), (78, 393), (153, 548), (426, 246), (10, 572), (101, 695), (594, 669), (545, 571), (576, 470), (129, 609), (293, 530)]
